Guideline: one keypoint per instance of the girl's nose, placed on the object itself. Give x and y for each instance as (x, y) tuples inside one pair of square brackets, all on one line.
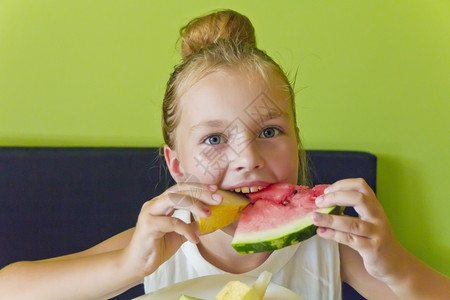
[(248, 159)]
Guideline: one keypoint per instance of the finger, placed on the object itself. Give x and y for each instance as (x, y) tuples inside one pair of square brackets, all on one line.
[(166, 204), (346, 224), (350, 184), (186, 202), (212, 188), (161, 225), (206, 193), (354, 241), (364, 205)]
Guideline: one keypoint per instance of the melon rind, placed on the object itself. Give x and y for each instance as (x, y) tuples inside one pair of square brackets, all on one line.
[(280, 237)]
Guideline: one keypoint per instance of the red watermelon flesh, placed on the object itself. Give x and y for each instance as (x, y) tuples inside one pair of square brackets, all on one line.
[(277, 216), (280, 199)]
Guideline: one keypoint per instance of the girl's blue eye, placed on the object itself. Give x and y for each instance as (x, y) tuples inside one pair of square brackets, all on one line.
[(269, 132), (214, 139)]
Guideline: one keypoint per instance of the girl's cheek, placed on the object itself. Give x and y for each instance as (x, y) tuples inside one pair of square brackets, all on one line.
[(210, 164)]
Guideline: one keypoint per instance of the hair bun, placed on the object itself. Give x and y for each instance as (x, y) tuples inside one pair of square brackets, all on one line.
[(225, 24)]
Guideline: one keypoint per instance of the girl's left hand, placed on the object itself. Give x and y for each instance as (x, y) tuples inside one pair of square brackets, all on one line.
[(370, 234)]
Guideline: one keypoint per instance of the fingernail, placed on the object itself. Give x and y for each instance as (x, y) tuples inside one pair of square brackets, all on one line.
[(317, 216), (327, 190), (322, 230), (212, 187), (206, 210), (216, 197)]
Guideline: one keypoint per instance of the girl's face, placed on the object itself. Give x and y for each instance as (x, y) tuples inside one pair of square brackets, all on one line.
[(235, 131)]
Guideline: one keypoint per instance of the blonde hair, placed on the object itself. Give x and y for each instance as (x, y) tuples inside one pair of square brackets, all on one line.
[(223, 40)]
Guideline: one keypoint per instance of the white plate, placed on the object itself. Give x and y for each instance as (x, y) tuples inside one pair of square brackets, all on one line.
[(208, 286)]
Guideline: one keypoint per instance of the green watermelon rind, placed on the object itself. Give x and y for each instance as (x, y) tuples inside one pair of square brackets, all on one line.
[(290, 234)]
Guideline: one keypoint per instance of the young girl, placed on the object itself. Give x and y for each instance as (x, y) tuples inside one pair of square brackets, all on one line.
[(229, 123)]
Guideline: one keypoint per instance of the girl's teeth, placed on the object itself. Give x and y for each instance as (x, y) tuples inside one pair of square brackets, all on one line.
[(253, 189), (247, 190)]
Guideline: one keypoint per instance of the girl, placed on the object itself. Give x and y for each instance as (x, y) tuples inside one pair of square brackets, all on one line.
[(229, 123)]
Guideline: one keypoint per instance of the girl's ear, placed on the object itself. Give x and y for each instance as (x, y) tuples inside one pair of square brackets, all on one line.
[(173, 164)]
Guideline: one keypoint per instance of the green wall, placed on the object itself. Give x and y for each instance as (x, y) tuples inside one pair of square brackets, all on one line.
[(372, 76)]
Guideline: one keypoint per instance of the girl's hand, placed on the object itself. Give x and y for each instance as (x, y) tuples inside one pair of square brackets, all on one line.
[(370, 234), (158, 234)]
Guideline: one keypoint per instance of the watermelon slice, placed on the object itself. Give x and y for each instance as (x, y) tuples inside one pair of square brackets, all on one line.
[(278, 216)]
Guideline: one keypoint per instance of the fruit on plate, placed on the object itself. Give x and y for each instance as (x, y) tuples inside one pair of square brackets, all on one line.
[(233, 290), (236, 290), (278, 216), (259, 287), (224, 214), (185, 297)]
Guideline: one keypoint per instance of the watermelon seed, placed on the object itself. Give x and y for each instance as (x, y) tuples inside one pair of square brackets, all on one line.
[(294, 192), (285, 202)]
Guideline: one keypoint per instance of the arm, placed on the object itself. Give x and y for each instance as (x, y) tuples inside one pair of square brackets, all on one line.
[(354, 273), (382, 257), (117, 263), (416, 281), (91, 274)]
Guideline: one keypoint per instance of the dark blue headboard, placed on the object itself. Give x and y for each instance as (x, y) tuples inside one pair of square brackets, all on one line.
[(56, 201)]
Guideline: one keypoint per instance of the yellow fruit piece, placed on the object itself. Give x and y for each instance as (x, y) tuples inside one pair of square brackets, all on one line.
[(233, 290), (185, 297), (224, 214), (236, 290), (259, 287)]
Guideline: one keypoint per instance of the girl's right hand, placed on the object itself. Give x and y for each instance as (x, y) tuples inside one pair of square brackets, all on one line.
[(158, 235)]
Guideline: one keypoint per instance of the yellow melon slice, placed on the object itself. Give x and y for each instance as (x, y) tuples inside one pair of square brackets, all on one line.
[(236, 290), (233, 290), (224, 214), (258, 289)]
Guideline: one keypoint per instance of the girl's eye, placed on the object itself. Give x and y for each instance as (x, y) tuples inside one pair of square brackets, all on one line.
[(215, 139), (269, 132)]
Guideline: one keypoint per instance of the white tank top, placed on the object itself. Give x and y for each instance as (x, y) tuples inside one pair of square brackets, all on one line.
[(310, 269)]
